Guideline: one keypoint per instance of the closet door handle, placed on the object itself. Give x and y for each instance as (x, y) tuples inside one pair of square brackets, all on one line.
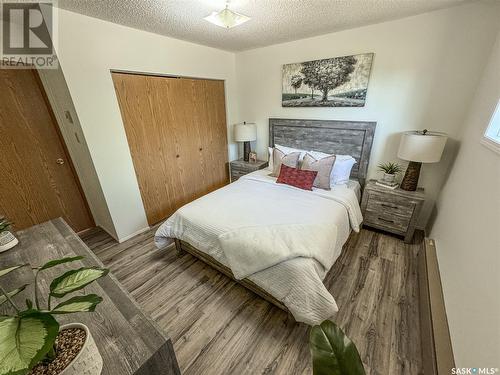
[(177, 156), (201, 148)]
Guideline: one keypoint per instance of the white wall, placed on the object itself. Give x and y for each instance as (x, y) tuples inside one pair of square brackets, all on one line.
[(466, 231), (424, 72), (88, 49), (60, 100)]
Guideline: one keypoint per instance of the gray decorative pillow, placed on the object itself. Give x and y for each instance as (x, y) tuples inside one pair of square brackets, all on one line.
[(279, 157), (324, 168)]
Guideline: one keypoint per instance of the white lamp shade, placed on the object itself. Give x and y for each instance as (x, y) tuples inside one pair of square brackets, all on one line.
[(245, 132), (428, 148)]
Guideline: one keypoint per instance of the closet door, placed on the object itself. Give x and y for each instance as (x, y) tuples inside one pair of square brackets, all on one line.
[(210, 118), (176, 130), (37, 179)]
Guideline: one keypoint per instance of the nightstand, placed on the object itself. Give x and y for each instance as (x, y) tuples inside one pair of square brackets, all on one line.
[(395, 211), (240, 167)]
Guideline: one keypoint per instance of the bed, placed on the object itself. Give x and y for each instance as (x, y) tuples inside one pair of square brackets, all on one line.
[(274, 239)]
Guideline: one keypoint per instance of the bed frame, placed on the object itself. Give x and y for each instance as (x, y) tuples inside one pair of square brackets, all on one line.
[(330, 136)]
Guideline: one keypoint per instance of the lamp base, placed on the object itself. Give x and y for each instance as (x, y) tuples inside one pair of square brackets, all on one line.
[(246, 151), (410, 180)]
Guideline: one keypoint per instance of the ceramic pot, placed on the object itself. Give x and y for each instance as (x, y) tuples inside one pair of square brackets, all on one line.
[(89, 360), (7, 240), (389, 178)]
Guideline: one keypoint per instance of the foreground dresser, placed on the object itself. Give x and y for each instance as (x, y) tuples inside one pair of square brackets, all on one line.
[(129, 341)]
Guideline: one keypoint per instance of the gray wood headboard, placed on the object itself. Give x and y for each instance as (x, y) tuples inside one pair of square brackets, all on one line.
[(330, 136)]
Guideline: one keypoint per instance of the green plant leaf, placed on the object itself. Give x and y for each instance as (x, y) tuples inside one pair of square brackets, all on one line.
[(78, 304), (333, 353), (56, 262), (390, 168), (12, 293), (24, 341), (75, 280), (4, 224), (5, 271)]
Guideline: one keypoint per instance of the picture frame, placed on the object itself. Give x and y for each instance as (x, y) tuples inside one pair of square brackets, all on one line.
[(334, 82), (252, 157)]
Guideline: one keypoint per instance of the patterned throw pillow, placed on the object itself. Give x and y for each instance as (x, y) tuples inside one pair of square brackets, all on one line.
[(299, 178), (279, 157), (324, 168)]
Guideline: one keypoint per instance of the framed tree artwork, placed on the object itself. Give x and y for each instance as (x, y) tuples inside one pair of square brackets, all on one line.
[(336, 82)]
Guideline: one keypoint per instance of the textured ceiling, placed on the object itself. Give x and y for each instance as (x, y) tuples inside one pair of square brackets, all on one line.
[(273, 21)]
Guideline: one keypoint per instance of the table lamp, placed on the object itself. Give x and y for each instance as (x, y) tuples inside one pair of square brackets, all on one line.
[(245, 133), (419, 147)]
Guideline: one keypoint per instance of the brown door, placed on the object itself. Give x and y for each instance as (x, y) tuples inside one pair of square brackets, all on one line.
[(37, 181), (176, 130)]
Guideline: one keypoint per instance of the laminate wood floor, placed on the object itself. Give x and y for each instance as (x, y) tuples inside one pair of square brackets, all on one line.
[(219, 327)]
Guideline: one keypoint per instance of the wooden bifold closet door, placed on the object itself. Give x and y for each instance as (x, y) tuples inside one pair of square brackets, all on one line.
[(177, 134)]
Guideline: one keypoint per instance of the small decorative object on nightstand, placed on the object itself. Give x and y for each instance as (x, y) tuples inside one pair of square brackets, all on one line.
[(395, 211), (252, 157), (241, 167), (390, 170)]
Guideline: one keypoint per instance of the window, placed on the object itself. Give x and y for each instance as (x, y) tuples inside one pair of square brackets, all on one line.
[(491, 137)]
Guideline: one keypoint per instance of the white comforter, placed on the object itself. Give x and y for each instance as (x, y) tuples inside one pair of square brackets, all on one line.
[(283, 239)]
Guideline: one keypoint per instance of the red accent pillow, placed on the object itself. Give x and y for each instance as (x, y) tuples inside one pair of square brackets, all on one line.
[(300, 178)]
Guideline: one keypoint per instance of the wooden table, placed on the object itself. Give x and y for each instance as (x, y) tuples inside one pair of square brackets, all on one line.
[(129, 341)]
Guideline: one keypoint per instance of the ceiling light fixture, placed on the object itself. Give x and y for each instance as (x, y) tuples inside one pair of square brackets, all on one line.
[(226, 18)]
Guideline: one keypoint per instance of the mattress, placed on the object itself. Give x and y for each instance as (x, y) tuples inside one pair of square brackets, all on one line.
[(296, 282)]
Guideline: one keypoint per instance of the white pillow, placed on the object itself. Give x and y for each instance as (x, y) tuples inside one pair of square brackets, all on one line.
[(320, 155), (342, 170), (288, 150), (270, 159)]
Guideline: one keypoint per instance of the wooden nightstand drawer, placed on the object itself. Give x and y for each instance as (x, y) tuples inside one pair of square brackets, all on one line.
[(235, 174), (394, 207), (240, 168), (388, 222), (394, 211), (392, 200)]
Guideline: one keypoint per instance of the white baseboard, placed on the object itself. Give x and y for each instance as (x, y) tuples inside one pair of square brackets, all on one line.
[(123, 239)]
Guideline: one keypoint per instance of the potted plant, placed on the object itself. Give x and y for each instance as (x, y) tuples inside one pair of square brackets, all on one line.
[(7, 239), (333, 353), (32, 342), (390, 170)]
